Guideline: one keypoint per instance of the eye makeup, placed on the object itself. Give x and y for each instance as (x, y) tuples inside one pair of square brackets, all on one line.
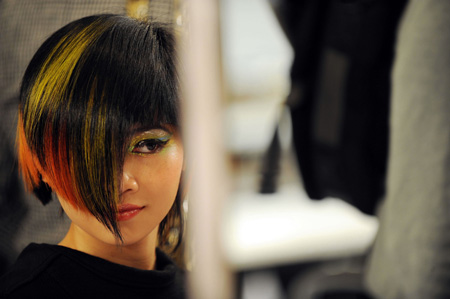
[(149, 142)]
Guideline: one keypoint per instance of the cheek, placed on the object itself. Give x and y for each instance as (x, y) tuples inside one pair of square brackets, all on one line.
[(164, 179), (162, 172), (158, 177)]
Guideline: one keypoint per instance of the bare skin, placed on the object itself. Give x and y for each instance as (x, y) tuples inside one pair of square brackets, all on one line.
[(150, 182)]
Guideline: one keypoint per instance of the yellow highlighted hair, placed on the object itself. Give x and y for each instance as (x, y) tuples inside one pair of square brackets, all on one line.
[(89, 87)]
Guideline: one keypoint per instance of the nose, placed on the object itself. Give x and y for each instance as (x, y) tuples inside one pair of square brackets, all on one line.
[(129, 183)]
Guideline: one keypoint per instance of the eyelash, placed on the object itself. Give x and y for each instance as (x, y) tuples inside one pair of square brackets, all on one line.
[(155, 144)]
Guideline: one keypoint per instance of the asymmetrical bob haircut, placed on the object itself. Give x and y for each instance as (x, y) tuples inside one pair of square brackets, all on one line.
[(91, 86)]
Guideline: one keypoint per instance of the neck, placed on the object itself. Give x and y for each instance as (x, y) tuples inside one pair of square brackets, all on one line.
[(140, 255)]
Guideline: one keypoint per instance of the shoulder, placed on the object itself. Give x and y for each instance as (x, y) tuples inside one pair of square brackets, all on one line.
[(29, 276)]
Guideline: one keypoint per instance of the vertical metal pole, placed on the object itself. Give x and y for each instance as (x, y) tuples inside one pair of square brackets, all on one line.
[(203, 137)]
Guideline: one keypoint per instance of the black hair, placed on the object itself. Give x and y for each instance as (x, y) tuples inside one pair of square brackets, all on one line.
[(88, 88)]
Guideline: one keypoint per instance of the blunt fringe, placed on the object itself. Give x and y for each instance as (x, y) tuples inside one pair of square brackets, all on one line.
[(88, 88)]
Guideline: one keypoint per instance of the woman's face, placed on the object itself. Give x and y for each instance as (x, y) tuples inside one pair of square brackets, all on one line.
[(151, 177)]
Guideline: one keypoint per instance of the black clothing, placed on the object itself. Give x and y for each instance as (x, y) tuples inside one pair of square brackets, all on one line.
[(52, 271), (340, 94)]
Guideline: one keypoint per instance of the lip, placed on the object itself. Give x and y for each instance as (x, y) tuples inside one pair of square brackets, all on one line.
[(128, 211)]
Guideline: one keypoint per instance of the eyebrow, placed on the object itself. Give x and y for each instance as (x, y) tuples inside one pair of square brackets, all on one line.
[(142, 129)]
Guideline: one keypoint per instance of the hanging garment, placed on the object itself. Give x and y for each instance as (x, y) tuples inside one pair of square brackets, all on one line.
[(340, 94)]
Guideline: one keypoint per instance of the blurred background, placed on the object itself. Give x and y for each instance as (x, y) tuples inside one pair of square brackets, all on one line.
[(334, 135), (281, 243)]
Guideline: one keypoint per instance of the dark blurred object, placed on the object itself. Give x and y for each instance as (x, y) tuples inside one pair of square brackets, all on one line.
[(340, 94), (271, 165), (343, 295)]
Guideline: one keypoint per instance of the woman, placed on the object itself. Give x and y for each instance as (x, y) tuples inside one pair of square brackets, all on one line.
[(98, 127)]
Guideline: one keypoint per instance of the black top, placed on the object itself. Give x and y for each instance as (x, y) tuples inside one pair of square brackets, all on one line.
[(52, 271)]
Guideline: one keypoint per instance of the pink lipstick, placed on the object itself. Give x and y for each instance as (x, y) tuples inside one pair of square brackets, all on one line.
[(128, 211)]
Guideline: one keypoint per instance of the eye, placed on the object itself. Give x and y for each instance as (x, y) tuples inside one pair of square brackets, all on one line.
[(149, 146)]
